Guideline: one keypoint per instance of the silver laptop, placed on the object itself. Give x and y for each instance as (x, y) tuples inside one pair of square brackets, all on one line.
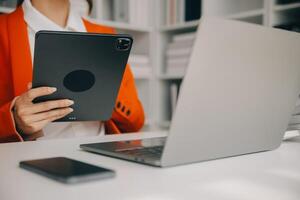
[(237, 97)]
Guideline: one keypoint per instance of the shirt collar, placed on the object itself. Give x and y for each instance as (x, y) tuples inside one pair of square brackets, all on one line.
[(37, 21)]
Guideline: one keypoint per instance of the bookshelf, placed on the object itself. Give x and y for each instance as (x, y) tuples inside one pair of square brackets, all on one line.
[(287, 7), (153, 36), (263, 12), (283, 12), (181, 26), (246, 14)]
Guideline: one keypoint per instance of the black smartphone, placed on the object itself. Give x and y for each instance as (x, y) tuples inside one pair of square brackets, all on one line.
[(67, 170)]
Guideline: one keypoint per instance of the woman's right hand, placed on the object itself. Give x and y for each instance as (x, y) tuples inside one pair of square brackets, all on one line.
[(31, 118)]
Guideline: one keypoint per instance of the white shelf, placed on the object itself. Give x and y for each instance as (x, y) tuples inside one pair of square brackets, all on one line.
[(182, 26), (142, 72), (246, 14), (138, 76), (171, 76), (165, 124), (122, 25), (6, 9), (148, 122), (287, 7), (142, 77), (195, 23)]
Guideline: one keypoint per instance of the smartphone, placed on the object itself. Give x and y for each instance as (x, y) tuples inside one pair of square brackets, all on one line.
[(67, 170)]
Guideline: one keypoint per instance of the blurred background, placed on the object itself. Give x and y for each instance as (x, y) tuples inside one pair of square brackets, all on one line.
[(164, 32)]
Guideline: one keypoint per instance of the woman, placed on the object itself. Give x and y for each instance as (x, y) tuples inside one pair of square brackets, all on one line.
[(20, 119)]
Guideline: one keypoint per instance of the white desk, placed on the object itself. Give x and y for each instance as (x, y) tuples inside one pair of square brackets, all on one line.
[(270, 175)]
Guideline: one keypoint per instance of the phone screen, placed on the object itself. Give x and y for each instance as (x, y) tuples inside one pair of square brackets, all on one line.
[(63, 169)]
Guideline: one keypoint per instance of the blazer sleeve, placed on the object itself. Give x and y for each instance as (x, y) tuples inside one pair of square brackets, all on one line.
[(128, 114), (8, 131)]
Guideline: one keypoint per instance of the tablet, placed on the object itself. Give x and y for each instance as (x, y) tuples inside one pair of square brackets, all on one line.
[(85, 67)]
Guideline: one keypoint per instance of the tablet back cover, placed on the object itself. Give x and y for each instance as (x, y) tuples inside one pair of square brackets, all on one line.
[(85, 67)]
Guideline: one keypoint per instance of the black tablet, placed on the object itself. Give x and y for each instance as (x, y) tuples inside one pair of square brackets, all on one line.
[(85, 67)]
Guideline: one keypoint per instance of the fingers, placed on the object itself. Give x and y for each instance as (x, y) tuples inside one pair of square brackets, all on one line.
[(37, 92), (48, 116), (36, 127), (45, 106), (31, 118), (50, 105)]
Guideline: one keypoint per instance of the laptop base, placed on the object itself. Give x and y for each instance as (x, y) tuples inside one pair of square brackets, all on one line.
[(146, 151)]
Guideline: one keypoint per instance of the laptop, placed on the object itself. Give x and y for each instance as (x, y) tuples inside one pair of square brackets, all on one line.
[(236, 98)]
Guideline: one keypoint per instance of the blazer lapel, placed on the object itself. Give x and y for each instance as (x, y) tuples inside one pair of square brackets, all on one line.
[(21, 63)]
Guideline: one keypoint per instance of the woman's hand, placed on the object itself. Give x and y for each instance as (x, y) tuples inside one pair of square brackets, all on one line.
[(31, 118)]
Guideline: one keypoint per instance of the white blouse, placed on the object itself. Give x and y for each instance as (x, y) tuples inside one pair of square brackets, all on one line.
[(36, 21)]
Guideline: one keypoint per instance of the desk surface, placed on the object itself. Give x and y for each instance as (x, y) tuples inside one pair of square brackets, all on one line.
[(269, 175)]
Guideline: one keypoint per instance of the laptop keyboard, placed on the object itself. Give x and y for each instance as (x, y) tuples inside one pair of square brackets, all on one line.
[(154, 152)]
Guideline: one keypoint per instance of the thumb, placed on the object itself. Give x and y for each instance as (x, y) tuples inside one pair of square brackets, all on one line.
[(29, 85)]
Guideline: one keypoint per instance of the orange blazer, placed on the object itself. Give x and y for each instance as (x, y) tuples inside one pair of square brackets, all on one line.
[(16, 73)]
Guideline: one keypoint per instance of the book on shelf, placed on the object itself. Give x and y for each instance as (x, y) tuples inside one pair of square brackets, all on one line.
[(180, 18), (134, 12), (121, 10), (132, 6), (173, 96), (177, 66), (172, 11), (178, 61), (180, 11), (174, 92), (297, 111), (178, 52), (139, 12), (282, 2), (184, 37), (295, 119), (298, 101), (185, 41), (102, 9), (179, 45), (291, 26), (176, 70), (192, 10), (293, 127), (294, 123)]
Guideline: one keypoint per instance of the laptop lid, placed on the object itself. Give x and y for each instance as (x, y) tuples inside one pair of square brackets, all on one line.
[(238, 94)]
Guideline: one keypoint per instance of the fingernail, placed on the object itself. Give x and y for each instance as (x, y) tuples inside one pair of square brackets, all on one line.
[(53, 89), (71, 102), (71, 109)]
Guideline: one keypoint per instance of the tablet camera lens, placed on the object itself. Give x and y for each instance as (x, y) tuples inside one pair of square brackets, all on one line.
[(123, 44)]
